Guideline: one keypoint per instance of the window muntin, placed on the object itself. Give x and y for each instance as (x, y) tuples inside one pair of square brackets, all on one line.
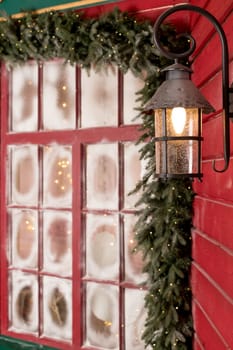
[(65, 155)]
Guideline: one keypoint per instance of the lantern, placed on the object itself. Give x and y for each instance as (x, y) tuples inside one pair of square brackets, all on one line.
[(178, 106)]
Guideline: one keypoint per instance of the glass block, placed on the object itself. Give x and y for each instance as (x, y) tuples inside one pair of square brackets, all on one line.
[(102, 176), (57, 238), (99, 100), (134, 169), (102, 246), (24, 98), (58, 99), (23, 236), (23, 302), (57, 308), (57, 175), (102, 316), (133, 258), (23, 175), (132, 85), (135, 316)]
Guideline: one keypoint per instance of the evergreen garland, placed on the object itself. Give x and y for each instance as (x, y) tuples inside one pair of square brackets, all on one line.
[(164, 235), (163, 228)]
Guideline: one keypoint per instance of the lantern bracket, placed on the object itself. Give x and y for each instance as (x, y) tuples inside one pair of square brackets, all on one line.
[(227, 90)]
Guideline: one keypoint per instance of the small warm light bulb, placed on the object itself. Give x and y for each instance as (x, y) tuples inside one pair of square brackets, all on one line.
[(107, 323), (178, 117)]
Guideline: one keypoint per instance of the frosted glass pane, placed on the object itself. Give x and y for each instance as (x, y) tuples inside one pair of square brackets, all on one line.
[(133, 258), (57, 176), (135, 316), (102, 246), (24, 100), (102, 318), (99, 100), (134, 169), (132, 85), (59, 96), (23, 302), (24, 174), (57, 238), (23, 238), (57, 308), (102, 176)]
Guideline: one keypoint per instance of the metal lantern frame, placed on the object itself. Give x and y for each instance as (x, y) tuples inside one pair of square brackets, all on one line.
[(179, 91)]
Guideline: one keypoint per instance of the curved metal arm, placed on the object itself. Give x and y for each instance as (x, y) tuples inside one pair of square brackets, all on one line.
[(226, 90)]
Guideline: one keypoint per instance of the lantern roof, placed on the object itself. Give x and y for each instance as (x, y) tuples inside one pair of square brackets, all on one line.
[(178, 91)]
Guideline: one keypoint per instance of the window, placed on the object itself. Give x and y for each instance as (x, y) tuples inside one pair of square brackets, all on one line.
[(69, 277)]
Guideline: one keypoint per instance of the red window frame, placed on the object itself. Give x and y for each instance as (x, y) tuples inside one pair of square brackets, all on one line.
[(78, 139)]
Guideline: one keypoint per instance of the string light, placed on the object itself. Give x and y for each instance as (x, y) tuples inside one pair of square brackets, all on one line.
[(62, 174), (29, 225)]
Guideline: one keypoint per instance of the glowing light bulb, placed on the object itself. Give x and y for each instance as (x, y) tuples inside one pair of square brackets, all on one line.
[(178, 117)]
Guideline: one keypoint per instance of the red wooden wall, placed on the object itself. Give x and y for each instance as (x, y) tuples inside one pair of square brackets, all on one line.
[(212, 272)]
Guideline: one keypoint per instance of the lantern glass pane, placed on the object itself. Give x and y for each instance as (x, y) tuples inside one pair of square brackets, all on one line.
[(160, 157), (182, 121), (159, 127), (182, 157), (176, 151)]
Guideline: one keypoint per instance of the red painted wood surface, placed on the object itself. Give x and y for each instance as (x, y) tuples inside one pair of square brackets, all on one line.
[(146, 8), (212, 273), (215, 258), (209, 338), (212, 49), (209, 214), (202, 28), (216, 306)]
